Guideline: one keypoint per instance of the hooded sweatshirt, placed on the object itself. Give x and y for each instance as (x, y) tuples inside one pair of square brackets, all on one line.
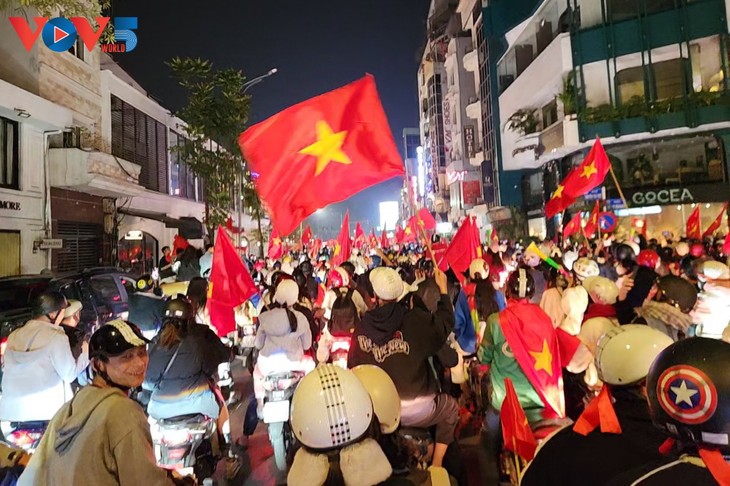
[(400, 341), (100, 438), (277, 342), (38, 368)]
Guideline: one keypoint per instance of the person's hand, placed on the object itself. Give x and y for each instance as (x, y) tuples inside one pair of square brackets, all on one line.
[(441, 281), (626, 286), (155, 274)]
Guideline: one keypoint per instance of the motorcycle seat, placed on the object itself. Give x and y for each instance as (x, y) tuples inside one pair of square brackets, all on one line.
[(191, 417), (34, 424)]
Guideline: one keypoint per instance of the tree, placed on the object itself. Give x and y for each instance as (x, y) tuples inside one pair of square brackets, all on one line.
[(215, 114), (252, 201)]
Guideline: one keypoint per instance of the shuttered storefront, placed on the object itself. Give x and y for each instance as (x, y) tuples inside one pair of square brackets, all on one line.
[(10, 262), (82, 245)]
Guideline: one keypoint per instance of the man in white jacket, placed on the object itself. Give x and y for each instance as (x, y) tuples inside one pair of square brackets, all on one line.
[(39, 365)]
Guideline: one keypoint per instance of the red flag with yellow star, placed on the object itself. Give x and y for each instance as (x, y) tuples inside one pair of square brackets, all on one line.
[(592, 223), (321, 151), (534, 343), (276, 247), (343, 245), (516, 431), (715, 224), (307, 236), (359, 235), (581, 179), (399, 234), (693, 224), (573, 226)]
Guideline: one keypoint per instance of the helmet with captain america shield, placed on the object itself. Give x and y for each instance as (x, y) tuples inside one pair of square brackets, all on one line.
[(689, 392)]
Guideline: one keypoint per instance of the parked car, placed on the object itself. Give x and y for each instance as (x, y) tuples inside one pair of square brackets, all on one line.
[(103, 292)]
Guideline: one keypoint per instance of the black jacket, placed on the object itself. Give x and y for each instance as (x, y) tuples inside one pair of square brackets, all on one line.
[(201, 351), (569, 458), (400, 340), (643, 282), (145, 310)]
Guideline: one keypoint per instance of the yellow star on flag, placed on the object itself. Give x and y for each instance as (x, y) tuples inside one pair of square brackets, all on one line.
[(327, 148), (559, 191), (338, 247), (543, 359), (589, 170)]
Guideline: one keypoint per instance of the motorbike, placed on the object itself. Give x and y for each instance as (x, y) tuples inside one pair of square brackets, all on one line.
[(25, 435), (279, 389), (188, 444), (246, 348), (511, 464)]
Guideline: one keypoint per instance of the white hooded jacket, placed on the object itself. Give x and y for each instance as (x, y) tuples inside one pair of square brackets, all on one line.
[(38, 368)]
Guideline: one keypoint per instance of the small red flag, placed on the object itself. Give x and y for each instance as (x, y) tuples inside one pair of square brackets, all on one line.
[(462, 251), (411, 231), (314, 251), (343, 245), (179, 242), (476, 238), (399, 234), (230, 284), (715, 224), (307, 236), (321, 151), (359, 236), (573, 226), (276, 247), (599, 412), (581, 179), (493, 236), (384, 242), (516, 431), (372, 240), (592, 223), (426, 219), (693, 224)]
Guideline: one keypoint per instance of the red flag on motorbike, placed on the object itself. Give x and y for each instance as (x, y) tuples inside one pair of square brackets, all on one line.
[(534, 343), (307, 236), (343, 245), (230, 284), (516, 430), (599, 412)]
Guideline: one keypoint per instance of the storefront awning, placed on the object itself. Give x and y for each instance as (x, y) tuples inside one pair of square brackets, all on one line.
[(188, 227)]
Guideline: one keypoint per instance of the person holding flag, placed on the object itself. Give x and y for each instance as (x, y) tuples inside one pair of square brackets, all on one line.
[(520, 343)]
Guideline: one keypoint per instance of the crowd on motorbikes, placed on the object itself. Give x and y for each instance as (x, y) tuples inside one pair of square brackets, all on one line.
[(358, 365)]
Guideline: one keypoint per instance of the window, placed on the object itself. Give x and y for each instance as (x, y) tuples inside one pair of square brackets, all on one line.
[(671, 79), (9, 149), (619, 10), (630, 83), (105, 289), (140, 139), (78, 49), (549, 114)]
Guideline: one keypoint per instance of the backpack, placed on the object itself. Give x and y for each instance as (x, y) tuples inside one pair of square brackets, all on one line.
[(344, 315)]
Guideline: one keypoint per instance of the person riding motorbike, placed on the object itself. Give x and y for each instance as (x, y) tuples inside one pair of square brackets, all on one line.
[(39, 364), (146, 308), (102, 437), (70, 324), (282, 338), (400, 340), (689, 401), (625, 437), (667, 308), (183, 360)]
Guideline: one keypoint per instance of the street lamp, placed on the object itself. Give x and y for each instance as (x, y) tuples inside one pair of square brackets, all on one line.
[(246, 86)]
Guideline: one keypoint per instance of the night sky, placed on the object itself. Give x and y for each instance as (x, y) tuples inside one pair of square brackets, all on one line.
[(317, 46)]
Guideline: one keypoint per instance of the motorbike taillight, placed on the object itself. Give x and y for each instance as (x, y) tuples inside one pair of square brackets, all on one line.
[(176, 437), (249, 330), (341, 344), (24, 438), (3, 345)]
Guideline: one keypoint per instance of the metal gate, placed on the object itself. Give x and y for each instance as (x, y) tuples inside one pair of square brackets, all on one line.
[(82, 245)]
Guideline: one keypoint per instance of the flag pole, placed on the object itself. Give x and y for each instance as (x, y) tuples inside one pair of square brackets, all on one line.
[(428, 243), (618, 186)]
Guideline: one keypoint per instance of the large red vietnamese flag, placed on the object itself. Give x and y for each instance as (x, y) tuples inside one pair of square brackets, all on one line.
[(321, 151), (230, 284), (581, 179)]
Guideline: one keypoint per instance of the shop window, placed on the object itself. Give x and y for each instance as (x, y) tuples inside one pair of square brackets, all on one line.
[(630, 83), (669, 78), (138, 252), (10, 263), (9, 148)]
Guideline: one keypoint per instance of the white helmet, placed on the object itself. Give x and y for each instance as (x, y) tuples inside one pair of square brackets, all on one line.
[(601, 289), (387, 284), (585, 267), (569, 258), (383, 394), (287, 292), (625, 353), (330, 408), (478, 269), (681, 248)]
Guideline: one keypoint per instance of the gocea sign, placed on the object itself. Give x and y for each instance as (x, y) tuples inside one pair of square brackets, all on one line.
[(663, 196), (59, 34)]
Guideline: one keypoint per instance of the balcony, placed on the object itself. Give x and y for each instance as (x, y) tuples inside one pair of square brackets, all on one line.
[(471, 61), (92, 172), (526, 150), (474, 108)]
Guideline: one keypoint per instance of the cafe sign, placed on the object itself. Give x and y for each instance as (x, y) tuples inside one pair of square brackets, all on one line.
[(663, 196)]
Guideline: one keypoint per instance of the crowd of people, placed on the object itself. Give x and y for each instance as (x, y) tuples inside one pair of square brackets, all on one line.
[(611, 348)]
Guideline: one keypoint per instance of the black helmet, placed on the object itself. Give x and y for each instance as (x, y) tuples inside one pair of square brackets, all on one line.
[(426, 265), (48, 302), (623, 252), (299, 278), (677, 292), (179, 308), (307, 268), (349, 268), (689, 391), (114, 338), (144, 283), (277, 277), (520, 284)]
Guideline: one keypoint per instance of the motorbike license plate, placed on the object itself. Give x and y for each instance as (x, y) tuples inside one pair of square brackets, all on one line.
[(248, 341), (276, 411)]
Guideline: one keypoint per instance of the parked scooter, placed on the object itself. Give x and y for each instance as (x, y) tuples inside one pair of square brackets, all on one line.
[(277, 403), (188, 444)]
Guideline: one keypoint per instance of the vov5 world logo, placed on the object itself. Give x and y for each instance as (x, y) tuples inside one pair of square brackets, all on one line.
[(59, 34)]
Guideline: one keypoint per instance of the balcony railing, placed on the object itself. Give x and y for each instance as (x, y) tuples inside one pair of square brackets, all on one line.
[(552, 137)]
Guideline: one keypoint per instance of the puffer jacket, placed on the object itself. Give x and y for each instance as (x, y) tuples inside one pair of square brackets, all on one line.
[(274, 335)]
